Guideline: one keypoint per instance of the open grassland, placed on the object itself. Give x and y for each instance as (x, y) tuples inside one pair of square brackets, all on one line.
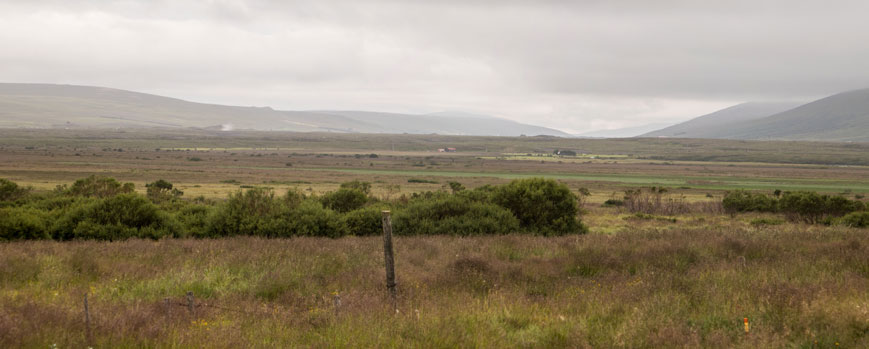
[(656, 285), (840, 153), (316, 163), (685, 278)]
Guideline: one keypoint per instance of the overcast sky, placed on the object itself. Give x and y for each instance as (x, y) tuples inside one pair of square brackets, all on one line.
[(573, 65)]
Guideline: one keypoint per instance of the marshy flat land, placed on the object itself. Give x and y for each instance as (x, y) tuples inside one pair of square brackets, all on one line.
[(682, 273)]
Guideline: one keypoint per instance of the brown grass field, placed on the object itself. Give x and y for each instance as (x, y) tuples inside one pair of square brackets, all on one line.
[(685, 280)]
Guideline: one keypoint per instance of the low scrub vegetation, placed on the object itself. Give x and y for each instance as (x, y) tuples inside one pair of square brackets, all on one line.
[(799, 206), (102, 208), (661, 201)]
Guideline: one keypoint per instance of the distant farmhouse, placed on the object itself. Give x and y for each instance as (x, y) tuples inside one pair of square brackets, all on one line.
[(565, 152), (447, 150)]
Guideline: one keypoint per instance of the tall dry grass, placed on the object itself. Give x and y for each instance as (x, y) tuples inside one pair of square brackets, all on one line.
[(654, 286)]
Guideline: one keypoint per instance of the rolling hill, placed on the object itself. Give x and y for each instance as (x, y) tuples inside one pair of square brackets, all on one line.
[(70, 106), (719, 123), (626, 132), (843, 117), (840, 117)]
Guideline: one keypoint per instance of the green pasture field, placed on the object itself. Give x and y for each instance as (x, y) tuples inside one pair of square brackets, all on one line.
[(725, 183)]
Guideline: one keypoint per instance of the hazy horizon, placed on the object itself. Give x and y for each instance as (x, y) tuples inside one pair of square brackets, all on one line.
[(574, 66)]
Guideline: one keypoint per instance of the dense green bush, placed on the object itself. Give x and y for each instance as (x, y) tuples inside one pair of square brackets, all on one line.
[(258, 212), (100, 187), (312, 219), (811, 207), (10, 191), (804, 206), (365, 221), (23, 223), (103, 208), (856, 219), (251, 212), (543, 206), (193, 220), (745, 201), (453, 215), (56, 202), (344, 199), (120, 217)]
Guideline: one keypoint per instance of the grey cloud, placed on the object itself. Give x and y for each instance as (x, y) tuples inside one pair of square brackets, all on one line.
[(581, 64)]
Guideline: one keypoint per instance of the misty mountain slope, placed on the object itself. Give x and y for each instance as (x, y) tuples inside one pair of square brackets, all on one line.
[(841, 117), (446, 123), (722, 122), (625, 132), (48, 105), (43, 105)]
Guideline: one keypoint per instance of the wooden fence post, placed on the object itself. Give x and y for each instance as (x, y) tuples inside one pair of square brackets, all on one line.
[(388, 257), (190, 303), (87, 319), (336, 301), (168, 306)]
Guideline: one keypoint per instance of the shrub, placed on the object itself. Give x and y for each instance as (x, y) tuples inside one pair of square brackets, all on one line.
[(258, 212), (10, 191), (193, 220), (250, 212), (293, 198), (312, 219), (161, 190), (811, 207), (655, 200), (364, 221), (744, 201), (453, 215), (57, 202), (344, 200), (455, 187), (767, 221), (116, 218), (23, 223), (99, 187), (613, 203), (543, 206), (364, 187), (417, 180), (856, 219), (478, 194), (840, 206)]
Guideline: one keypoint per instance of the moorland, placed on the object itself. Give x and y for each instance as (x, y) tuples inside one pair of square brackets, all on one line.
[(673, 242)]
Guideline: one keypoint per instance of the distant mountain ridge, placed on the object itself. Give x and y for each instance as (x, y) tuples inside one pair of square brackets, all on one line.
[(625, 132), (714, 124), (69, 106), (842, 117)]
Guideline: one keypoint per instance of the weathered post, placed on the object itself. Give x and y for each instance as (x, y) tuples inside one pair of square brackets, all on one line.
[(388, 258), (336, 302), (190, 304), (87, 319), (167, 306)]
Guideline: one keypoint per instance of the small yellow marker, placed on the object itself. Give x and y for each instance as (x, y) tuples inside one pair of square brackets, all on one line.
[(745, 321)]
